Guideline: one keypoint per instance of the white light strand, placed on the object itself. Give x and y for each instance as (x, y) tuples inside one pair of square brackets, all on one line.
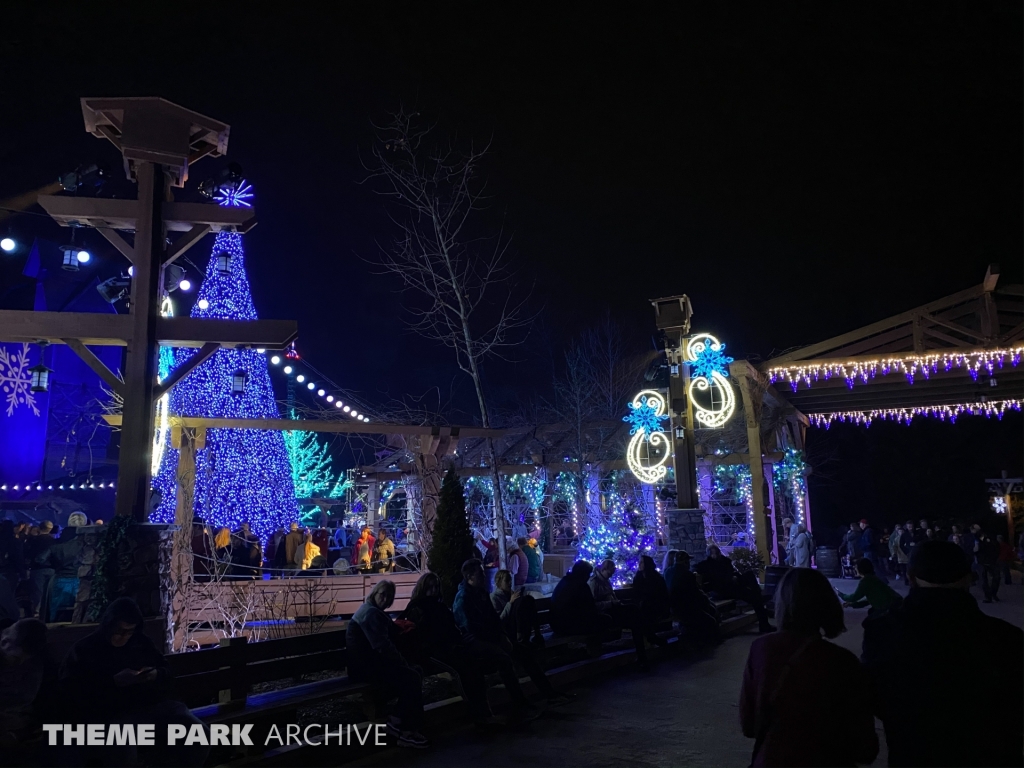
[(905, 415), (312, 387), (910, 365)]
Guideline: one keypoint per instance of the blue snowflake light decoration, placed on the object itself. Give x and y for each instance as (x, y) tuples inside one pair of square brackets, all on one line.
[(710, 359), (644, 417), (235, 195)]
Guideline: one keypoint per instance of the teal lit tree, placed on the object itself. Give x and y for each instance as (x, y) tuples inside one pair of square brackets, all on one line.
[(242, 475), (310, 462)]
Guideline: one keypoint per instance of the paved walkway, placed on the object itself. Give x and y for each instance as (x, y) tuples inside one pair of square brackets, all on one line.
[(682, 713)]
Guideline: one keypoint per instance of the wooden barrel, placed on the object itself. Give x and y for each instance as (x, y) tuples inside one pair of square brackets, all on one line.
[(772, 576), (827, 560)]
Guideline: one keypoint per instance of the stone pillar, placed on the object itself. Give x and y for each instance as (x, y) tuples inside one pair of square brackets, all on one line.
[(143, 566), (686, 532)]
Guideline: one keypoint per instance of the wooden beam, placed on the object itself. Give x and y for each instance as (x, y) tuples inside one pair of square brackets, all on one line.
[(89, 358), (311, 425), (105, 330), (936, 334), (115, 239), (123, 214), (186, 241), (195, 332), (185, 369), (94, 328), (954, 327), (991, 277), (842, 340)]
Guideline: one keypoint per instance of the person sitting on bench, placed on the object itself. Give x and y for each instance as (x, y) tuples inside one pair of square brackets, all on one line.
[(721, 577), (373, 658), (437, 639), (692, 608), (517, 611), (626, 615), (485, 640), (116, 675), (575, 612)]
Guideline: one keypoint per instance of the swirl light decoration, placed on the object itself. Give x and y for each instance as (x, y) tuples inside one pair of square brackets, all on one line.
[(646, 413), (709, 369)]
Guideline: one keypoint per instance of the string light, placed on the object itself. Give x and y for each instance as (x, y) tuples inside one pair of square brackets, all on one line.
[(646, 412), (911, 366), (710, 367), (948, 413)]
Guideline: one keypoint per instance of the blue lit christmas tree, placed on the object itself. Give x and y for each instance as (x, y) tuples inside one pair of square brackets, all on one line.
[(242, 475)]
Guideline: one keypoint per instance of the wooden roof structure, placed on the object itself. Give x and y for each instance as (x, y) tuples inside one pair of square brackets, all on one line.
[(964, 348)]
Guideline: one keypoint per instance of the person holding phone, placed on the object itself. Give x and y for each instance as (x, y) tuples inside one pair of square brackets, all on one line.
[(116, 675)]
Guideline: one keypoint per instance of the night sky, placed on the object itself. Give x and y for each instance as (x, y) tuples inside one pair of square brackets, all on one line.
[(798, 172)]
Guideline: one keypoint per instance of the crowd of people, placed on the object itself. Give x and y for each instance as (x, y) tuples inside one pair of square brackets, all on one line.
[(943, 677), (804, 700), (239, 554), (39, 569), (992, 558)]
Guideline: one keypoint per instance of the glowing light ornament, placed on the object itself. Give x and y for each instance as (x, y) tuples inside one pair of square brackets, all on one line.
[(999, 505), (910, 365), (709, 369), (647, 411), (165, 364), (948, 413), (235, 195)]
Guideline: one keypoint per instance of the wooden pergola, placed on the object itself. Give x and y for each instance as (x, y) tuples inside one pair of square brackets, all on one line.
[(867, 369)]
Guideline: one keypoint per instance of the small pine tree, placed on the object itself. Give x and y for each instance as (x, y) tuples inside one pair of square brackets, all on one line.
[(451, 541)]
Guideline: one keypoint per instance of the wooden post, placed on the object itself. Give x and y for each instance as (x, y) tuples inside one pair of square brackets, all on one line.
[(752, 416), (238, 690), (133, 473)]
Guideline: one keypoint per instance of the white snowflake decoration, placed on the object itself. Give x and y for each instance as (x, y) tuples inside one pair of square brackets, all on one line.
[(16, 379), (999, 505)]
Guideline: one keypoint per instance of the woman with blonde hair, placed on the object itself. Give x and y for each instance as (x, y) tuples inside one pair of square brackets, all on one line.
[(306, 552), (222, 550)]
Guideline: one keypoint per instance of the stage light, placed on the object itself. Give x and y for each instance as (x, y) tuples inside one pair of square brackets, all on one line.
[(8, 244), (83, 257)]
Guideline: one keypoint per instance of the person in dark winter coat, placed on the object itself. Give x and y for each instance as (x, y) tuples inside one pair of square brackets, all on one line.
[(485, 638), (373, 658), (942, 668), (690, 605), (574, 611), (805, 701), (116, 675), (439, 640), (721, 577), (871, 549)]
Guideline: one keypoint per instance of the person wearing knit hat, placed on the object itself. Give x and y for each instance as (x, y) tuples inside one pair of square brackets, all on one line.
[(941, 666)]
